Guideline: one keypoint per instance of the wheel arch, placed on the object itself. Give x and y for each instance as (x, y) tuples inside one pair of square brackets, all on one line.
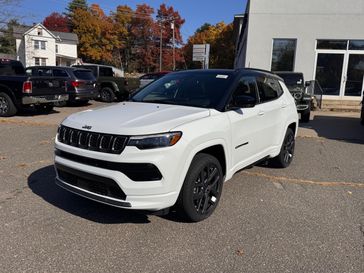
[(5, 89), (111, 85), (218, 152)]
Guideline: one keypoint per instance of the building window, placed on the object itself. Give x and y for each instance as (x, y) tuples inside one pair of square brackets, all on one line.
[(356, 45), (56, 48), (283, 57), (39, 44), (332, 44), (40, 61)]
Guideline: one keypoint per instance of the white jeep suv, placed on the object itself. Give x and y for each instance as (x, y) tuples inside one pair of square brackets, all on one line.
[(177, 140)]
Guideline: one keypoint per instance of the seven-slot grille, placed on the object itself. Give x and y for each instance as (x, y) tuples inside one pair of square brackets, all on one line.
[(93, 141)]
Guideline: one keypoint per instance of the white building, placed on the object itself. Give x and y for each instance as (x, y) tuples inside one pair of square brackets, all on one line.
[(37, 45), (324, 39)]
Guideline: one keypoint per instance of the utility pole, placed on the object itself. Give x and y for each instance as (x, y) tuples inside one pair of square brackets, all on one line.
[(160, 48), (174, 47)]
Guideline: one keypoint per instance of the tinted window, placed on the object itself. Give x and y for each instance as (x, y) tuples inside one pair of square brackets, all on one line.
[(84, 75), (246, 87), (204, 90), (332, 44), (283, 56), (269, 89), (42, 72), (106, 71), (59, 73), (11, 69), (89, 67)]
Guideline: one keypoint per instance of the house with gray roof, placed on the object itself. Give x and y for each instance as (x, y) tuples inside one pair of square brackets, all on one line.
[(37, 45)]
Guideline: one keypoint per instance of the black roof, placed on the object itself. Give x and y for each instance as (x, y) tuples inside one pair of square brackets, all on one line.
[(241, 71), (57, 67)]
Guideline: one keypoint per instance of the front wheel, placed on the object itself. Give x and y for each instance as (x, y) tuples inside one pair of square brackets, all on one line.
[(202, 188), (285, 157), (305, 116)]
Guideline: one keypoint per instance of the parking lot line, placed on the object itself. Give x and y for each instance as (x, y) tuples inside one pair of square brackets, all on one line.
[(304, 181)]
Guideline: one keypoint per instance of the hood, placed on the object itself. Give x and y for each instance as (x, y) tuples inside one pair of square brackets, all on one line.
[(134, 118)]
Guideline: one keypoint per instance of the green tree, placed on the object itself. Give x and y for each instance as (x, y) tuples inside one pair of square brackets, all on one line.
[(71, 9), (7, 40)]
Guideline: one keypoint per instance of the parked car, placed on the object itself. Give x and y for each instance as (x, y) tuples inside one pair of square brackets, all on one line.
[(111, 87), (151, 77), (177, 140), (19, 91), (81, 83), (296, 85)]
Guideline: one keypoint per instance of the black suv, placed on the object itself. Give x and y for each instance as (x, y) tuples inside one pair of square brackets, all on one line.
[(81, 83), (297, 87)]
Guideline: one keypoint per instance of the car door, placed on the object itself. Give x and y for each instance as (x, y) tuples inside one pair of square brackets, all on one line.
[(246, 125), (271, 111)]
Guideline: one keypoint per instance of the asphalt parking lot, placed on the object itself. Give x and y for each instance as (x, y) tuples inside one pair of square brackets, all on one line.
[(307, 218)]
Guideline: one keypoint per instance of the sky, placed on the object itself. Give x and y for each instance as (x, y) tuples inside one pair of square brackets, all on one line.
[(195, 12)]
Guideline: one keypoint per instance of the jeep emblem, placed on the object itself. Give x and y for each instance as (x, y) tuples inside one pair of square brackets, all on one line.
[(88, 127)]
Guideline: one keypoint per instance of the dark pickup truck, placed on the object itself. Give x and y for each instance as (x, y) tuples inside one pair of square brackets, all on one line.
[(19, 91), (111, 87)]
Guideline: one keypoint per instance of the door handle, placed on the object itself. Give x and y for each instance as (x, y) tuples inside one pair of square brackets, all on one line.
[(261, 113)]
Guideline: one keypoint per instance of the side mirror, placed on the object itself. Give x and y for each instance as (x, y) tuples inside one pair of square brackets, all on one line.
[(243, 101)]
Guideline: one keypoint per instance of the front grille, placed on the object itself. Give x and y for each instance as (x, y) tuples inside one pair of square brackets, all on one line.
[(99, 142), (137, 172), (92, 183)]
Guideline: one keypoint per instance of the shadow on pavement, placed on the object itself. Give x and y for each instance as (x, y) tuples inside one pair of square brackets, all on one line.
[(347, 129), (41, 182)]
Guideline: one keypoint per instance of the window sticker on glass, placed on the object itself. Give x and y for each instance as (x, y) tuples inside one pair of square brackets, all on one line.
[(222, 76)]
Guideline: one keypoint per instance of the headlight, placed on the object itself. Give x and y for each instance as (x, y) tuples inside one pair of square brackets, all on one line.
[(155, 141)]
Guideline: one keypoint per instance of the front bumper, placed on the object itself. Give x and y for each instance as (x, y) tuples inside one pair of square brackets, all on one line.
[(132, 193), (44, 99)]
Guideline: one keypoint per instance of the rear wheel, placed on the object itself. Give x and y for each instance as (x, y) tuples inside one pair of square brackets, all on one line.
[(202, 188), (285, 157), (107, 94), (7, 106)]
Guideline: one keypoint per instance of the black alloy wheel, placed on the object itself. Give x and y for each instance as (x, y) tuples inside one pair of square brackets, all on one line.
[(202, 188), (7, 107), (285, 157)]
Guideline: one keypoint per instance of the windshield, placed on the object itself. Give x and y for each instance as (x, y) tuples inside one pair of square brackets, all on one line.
[(294, 79), (197, 89)]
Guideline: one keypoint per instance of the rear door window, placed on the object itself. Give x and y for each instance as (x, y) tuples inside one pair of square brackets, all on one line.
[(106, 71), (269, 89), (84, 75)]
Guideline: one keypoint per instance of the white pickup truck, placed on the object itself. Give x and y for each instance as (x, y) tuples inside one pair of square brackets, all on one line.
[(176, 141)]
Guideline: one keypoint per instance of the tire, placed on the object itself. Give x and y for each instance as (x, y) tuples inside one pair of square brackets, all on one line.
[(7, 106), (305, 116), (44, 108), (285, 157), (107, 94), (201, 190)]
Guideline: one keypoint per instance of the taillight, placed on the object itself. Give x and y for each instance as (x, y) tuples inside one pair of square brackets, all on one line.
[(27, 87), (76, 84)]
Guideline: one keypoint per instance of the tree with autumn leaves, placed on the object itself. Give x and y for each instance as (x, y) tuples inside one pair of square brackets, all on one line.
[(222, 48), (131, 39)]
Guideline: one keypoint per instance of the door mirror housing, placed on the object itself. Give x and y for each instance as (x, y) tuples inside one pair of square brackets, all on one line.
[(243, 101)]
